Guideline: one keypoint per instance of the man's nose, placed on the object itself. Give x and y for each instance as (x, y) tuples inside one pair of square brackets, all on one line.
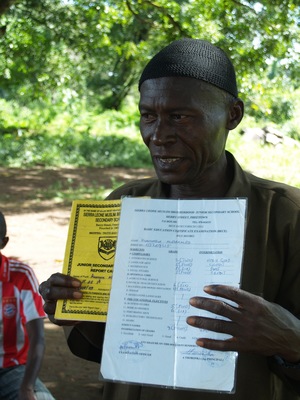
[(163, 133)]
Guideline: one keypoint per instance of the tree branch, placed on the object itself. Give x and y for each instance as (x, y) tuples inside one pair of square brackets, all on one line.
[(161, 9), (136, 15), (245, 6), (5, 5), (166, 14)]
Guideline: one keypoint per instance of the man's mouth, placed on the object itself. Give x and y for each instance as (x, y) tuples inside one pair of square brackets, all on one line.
[(168, 160), (167, 163)]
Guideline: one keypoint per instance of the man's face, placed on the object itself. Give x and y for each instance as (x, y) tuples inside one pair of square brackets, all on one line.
[(184, 124)]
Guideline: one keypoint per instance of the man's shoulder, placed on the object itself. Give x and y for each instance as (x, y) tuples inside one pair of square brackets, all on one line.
[(142, 187), (279, 189)]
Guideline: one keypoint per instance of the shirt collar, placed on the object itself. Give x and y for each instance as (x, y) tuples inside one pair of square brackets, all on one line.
[(240, 186)]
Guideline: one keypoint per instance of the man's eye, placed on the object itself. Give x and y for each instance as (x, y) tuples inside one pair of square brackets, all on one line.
[(147, 116), (178, 117)]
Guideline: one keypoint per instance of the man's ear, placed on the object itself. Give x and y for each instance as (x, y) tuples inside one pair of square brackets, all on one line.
[(235, 115), (4, 242)]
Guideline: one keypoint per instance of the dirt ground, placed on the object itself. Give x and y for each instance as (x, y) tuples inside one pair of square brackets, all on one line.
[(37, 229)]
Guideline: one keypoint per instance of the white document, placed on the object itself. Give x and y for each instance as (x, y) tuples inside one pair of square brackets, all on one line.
[(167, 251)]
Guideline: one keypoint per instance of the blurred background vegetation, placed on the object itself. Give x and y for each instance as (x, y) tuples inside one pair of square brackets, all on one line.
[(69, 72)]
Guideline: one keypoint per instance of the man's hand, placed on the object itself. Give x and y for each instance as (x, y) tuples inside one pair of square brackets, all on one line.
[(256, 325), (59, 286)]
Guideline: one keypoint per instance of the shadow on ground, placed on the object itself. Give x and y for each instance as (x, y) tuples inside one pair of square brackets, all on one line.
[(65, 375), (24, 190)]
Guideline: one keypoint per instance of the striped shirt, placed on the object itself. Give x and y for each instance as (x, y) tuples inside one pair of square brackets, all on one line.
[(21, 303)]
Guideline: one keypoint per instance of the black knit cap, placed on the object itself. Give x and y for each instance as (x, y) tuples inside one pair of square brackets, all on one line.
[(193, 58)]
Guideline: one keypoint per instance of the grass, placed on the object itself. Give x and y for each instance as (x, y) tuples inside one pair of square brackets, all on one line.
[(279, 163), (65, 192), (59, 193)]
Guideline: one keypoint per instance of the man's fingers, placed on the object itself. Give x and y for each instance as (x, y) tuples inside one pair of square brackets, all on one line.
[(215, 306), (215, 325), (51, 294), (60, 286), (49, 307), (220, 345), (62, 280), (242, 298)]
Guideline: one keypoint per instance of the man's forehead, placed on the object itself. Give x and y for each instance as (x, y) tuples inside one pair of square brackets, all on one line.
[(177, 88)]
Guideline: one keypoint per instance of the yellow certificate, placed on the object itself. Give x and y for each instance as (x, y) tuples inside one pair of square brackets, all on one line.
[(89, 256)]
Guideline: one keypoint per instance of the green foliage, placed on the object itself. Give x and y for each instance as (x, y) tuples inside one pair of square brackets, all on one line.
[(70, 137), (280, 108), (57, 51), (276, 109), (280, 163), (72, 149)]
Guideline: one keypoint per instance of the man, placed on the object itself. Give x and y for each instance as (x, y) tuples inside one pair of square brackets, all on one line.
[(21, 329), (188, 104)]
